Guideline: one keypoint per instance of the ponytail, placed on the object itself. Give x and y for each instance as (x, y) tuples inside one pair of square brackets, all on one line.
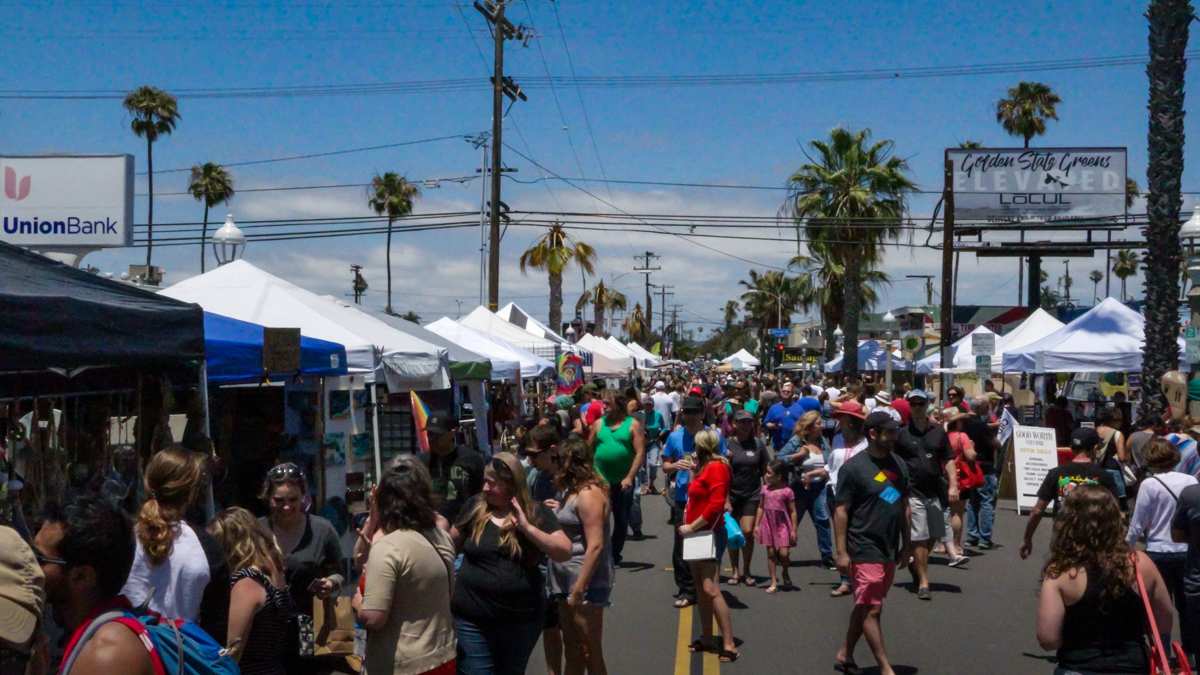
[(155, 531), (172, 478)]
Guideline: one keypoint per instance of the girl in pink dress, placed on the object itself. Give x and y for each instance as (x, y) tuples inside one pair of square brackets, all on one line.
[(775, 522)]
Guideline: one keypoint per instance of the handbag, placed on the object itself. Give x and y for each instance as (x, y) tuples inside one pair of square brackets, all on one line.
[(1160, 663), (699, 546), (333, 627), (733, 532)]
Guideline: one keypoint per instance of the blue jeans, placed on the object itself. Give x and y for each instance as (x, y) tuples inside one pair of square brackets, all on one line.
[(981, 509), (815, 502), (495, 648)]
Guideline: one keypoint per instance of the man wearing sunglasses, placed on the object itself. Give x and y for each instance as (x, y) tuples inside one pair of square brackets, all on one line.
[(456, 470)]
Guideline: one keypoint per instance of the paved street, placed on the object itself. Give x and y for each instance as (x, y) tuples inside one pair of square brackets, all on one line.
[(980, 620)]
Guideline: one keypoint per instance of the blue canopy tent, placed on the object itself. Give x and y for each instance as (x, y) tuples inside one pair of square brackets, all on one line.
[(235, 352)]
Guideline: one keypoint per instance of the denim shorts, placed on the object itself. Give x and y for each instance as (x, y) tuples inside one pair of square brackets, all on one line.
[(596, 597)]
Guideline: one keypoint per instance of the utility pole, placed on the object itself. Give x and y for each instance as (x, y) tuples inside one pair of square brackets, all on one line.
[(663, 291), (502, 29), (1067, 281), (647, 258), (947, 267), (928, 285), (480, 142), (358, 284)]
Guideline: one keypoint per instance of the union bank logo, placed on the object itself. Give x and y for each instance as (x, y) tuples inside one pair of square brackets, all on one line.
[(15, 188)]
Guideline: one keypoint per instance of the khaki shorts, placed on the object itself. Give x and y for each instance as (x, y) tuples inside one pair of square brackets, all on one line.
[(927, 521)]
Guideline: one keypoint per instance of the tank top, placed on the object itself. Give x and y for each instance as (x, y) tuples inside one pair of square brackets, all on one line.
[(1104, 637), (266, 645), (614, 451), (563, 575)]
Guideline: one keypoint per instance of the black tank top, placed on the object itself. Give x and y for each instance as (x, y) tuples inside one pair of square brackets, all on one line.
[(1104, 637)]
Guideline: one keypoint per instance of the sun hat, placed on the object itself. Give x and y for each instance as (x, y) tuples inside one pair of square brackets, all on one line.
[(22, 596), (851, 409)]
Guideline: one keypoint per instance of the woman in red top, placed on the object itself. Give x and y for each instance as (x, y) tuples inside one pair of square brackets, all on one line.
[(707, 492)]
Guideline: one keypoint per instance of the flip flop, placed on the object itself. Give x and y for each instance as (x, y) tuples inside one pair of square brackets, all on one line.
[(772, 589), (848, 667), (749, 581), (733, 581), (726, 656), (698, 646)]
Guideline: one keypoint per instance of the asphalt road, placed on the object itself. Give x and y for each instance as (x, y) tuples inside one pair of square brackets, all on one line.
[(980, 620)]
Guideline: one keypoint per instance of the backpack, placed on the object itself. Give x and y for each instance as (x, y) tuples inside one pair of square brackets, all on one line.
[(176, 646)]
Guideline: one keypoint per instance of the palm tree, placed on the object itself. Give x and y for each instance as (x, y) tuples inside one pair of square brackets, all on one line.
[(769, 300), (154, 113), (211, 184), (970, 145), (1132, 192), (1125, 266), (731, 312), (1025, 111), (392, 195), (850, 197), (635, 325), (824, 290), (604, 300), (1169, 21), (411, 316), (553, 252), (1096, 277)]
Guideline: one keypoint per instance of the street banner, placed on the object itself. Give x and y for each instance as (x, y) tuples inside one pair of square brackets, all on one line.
[(1007, 424), (420, 415), (1038, 184), (570, 374), (1035, 452)]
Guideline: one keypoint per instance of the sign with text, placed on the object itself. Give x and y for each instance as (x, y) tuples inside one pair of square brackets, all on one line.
[(62, 202), (983, 367), (281, 350), (983, 344), (1035, 452), (780, 332), (1014, 184)]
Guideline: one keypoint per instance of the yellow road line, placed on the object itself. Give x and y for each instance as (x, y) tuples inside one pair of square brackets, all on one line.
[(712, 662), (683, 657)]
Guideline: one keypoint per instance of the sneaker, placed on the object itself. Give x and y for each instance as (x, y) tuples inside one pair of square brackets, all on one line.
[(828, 563), (985, 545), (972, 543), (924, 594), (959, 561)]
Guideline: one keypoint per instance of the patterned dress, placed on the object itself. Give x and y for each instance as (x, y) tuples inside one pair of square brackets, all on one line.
[(266, 645), (775, 530)]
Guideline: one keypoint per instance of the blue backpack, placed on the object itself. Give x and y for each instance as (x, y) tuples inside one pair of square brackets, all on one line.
[(176, 647)]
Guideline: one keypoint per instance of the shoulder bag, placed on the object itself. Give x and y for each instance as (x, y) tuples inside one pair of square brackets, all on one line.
[(1160, 663)]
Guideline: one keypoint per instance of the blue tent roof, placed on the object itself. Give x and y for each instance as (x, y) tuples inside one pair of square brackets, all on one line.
[(234, 352)]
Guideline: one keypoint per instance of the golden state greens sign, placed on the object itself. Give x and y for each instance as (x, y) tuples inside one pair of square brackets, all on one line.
[(1021, 184)]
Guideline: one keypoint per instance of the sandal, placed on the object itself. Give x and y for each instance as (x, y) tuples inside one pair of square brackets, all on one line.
[(727, 656), (698, 645), (682, 603), (841, 590), (749, 581), (848, 667), (733, 580), (772, 588)]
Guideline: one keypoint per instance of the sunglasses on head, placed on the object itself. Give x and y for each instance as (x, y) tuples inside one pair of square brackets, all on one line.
[(285, 472), (502, 469)]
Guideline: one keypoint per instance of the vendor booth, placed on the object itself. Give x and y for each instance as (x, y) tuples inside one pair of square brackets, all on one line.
[(651, 360), (493, 326), (742, 360), (871, 358), (607, 361), (1107, 338)]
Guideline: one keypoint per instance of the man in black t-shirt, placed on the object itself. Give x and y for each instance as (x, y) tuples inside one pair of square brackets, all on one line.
[(457, 471), (1185, 528), (981, 508), (871, 532), (1060, 480), (925, 449)]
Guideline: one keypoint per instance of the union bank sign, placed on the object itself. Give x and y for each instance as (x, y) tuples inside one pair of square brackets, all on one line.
[(1031, 184), (59, 202)]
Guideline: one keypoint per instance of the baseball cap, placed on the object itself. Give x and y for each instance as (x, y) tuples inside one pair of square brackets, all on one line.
[(852, 409), (881, 421), (742, 415), (692, 404), (440, 424), (22, 595), (660, 385), (696, 391), (917, 393), (1084, 438)]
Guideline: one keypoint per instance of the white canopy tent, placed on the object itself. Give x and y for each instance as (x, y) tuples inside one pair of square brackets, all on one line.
[(1036, 326), (641, 352), (1107, 338), (493, 326), (518, 317), (638, 359), (744, 357), (962, 355), (606, 360), (508, 362), (871, 357)]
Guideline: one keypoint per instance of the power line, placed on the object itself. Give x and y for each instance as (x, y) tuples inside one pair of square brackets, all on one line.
[(554, 91), (446, 85), (425, 182), (587, 120)]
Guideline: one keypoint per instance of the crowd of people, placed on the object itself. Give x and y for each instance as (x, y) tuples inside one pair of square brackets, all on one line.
[(466, 560)]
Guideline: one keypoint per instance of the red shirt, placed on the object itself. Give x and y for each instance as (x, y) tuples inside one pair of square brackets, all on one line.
[(595, 411), (707, 493), (901, 406)]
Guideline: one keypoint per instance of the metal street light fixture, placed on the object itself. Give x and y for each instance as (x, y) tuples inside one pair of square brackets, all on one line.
[(1190, 232), (889, 320), (228, 242)]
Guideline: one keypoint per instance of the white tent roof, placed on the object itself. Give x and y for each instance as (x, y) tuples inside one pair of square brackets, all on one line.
[(744, 356), (491, 325), (641, 352), (518, 317), (507, 361), (871, 357), (1035, 327), (638, 359), (243, 291), (606, 360), (963, 355), (1106, 338)]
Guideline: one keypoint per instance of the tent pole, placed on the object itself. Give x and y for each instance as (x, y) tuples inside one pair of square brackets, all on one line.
[(210, 504), (375, 432)]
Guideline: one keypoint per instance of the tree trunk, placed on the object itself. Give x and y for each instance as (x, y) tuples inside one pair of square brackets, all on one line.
[(598, 316), (853, 295), (556, 300), (203, 236), (389, 265), (1169, 21), (827, 328), (150, 208)]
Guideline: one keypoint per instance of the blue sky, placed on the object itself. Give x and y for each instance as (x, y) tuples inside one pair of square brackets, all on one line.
[(749, 135)]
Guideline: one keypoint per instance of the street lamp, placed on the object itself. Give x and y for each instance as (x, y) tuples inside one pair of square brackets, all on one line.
[(1190, 232), (228, 242), (889, 320), (571, 334)]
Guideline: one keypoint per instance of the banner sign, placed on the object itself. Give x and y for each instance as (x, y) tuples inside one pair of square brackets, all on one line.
[(64, 202), (1014, 184), (1035, 452)]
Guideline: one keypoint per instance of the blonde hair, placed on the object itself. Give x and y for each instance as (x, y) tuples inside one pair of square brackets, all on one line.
[(478, 516), (708, 446), (805, 420), (172, 478), (246, 543)]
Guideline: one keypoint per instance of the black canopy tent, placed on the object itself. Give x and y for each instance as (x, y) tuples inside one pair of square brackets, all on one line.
[(55, 316)]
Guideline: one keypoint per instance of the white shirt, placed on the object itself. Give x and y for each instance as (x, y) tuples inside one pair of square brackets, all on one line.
[(840, 455), (666, 406), (174, 587), (1155, 509)]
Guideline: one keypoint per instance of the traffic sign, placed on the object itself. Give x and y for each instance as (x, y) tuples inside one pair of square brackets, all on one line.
[(780, 332), (983, 344)]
